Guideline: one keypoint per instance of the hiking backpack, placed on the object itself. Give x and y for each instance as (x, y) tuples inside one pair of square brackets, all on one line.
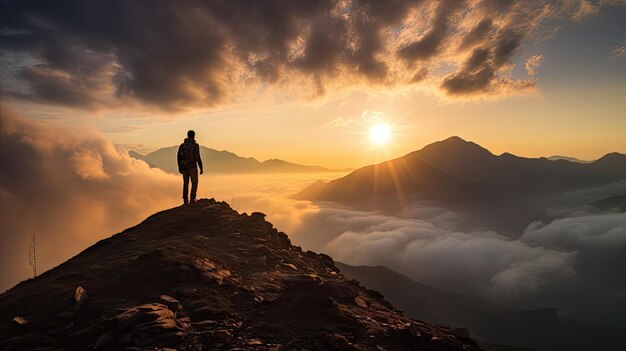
[(186, 156)]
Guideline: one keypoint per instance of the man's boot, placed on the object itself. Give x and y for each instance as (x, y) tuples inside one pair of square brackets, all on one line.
[(185, 200), (193, 199)]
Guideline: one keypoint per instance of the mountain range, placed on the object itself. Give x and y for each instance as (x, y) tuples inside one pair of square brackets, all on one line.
[(504, 191), (204, 277), (224, 162), (495, 326)]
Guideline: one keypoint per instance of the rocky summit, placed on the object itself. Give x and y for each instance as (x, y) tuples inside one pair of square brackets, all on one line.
[(204, 277)]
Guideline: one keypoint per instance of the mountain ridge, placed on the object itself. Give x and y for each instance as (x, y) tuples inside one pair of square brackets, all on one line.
[(460, 175), (205, 277), (224, 161)]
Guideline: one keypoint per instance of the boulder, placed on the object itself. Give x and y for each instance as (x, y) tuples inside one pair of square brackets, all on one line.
[(80, 297), (170, 302)]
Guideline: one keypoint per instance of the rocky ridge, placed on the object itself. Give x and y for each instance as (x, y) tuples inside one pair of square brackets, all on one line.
[(204, 277)]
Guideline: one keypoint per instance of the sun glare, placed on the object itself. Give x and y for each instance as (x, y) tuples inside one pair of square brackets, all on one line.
[(380, 134)]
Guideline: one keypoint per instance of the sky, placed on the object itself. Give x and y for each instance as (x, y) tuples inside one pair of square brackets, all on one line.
[(306, 81)]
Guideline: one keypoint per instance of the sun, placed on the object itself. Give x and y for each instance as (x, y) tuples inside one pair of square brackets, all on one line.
[(380, 134)]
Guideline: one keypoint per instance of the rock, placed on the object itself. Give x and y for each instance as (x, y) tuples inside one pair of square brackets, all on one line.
[(104, 341), (218, 276), (80, 297), (328, 260), (261, 248), (66, 314), (205, 264), (157, 326), (19, 322), (210, 312), (223, 334), (360, 302), (292, 266), (460, 333), (302, 279), (140, 314), (254, 342), (170, 302), (205, 323), (257, 260), (258, 216), (340, 290)]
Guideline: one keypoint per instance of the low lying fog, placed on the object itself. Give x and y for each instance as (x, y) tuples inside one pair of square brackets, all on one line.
[(74, 189)]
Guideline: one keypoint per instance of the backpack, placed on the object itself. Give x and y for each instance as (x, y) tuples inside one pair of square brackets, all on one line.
[(186, 156)]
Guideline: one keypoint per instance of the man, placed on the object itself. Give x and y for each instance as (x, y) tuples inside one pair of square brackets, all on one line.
[(188, 158)]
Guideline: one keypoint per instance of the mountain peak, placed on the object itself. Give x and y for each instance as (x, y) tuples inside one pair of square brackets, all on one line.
[(455, 145), (200, 277), (611, 157), (455, 138)]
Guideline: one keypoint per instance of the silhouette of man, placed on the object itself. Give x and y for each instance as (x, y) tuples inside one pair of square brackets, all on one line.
[(188, 158)]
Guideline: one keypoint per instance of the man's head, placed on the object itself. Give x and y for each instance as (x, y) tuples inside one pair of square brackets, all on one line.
[(191, 134)]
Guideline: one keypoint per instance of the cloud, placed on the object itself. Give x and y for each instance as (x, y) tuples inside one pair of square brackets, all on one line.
[(585, 8), (367, 117), (479, 72), (600, 264), (576, 263), (181, 55), (70, 189), (583, 197), (618, 50), (532, 64), (138, 147), (430, 43), (430, 250)]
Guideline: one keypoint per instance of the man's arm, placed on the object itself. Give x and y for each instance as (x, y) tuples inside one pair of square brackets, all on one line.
[(199, 159)]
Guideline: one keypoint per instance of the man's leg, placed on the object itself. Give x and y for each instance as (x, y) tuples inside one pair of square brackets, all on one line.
[(185, 186), (193, 174)]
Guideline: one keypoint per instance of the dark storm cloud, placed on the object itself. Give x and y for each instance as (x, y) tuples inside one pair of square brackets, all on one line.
[(429, 45), (477, 34), (168, 53), (498, 5), (479, 70), (178, 55)]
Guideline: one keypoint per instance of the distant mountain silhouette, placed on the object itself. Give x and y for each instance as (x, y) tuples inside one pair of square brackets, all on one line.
[(567, 158), (519, 175), (422, 301), (138, 156), (539, 329), (224, 162), (204, 277), (505, 191), (392, 185)]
